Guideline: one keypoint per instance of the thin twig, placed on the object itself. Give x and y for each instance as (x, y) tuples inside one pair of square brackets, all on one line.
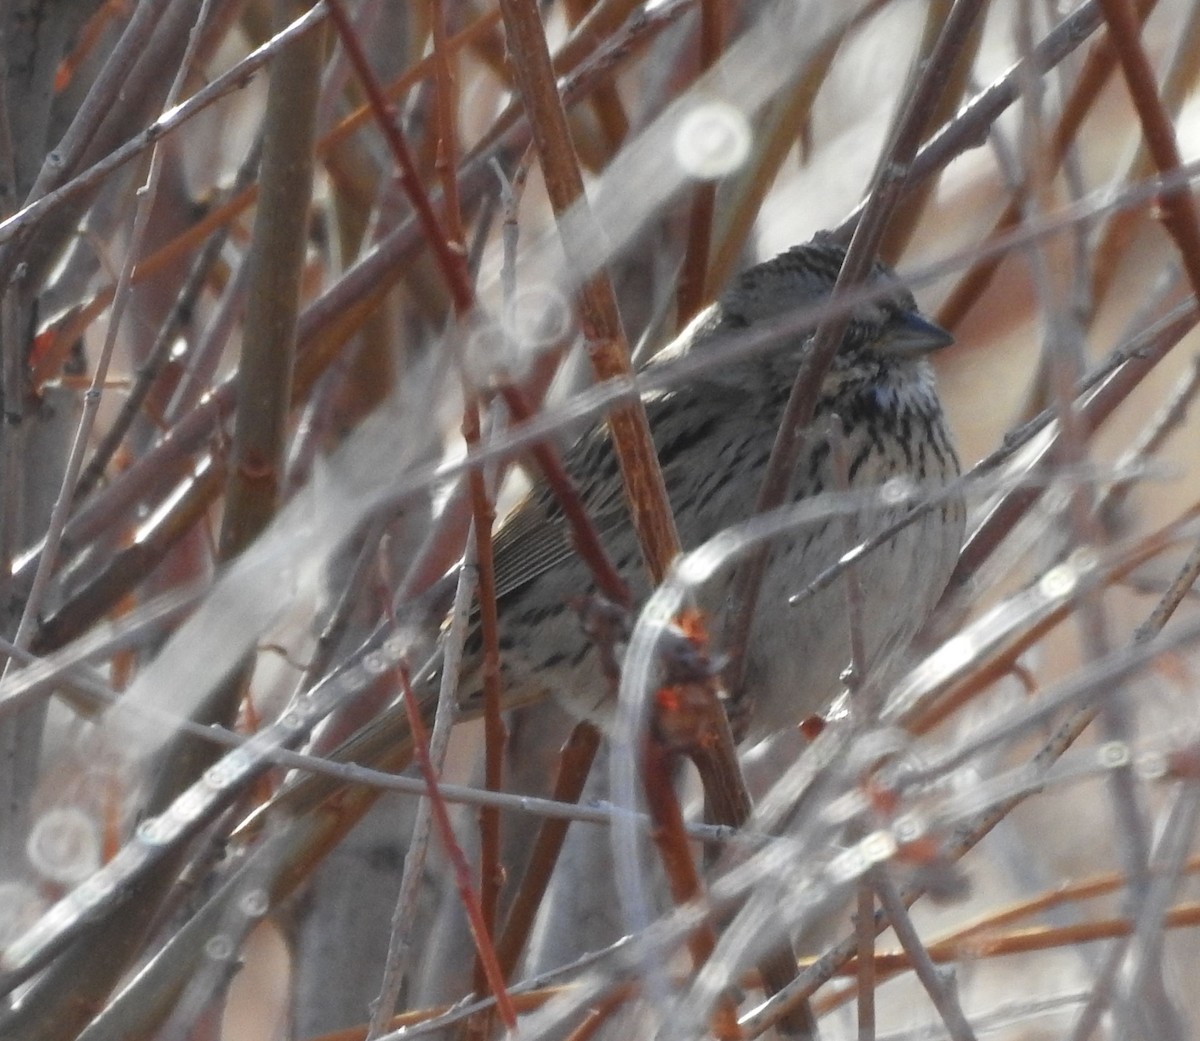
[(940, 989), (1179, 214), (864, 963), (1099, 65), (693, 276), (149, 370), (235, 78), (1152, 437), (400, 945), (971, 832), (682, 877), (575, 762), (58, 516), (462, 870)]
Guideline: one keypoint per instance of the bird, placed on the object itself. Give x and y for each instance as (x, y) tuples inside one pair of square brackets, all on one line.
[(878, 418)]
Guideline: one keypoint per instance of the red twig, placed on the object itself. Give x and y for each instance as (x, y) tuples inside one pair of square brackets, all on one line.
[(494, 731), (452, 262), (1097, 67), (694, 275), (458, 860), (601, 321), (447, 145), (1178, 210), (671, 839), (575, 762)]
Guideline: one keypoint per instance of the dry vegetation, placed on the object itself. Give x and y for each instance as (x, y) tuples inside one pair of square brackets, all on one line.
[(233, 438)]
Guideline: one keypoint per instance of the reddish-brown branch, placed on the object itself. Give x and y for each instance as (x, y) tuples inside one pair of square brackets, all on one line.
[(694, 275), (1097, 67), (1121, 227), (1179, 215), (454, 853), (599, 316), (169, 254), (482, 510), (446, 163), (597, 1015), (1093, 411), (575, 762), (494, 731), (452, 262), (1005, 944), (605, 99), (670, 836), (1005, 661)]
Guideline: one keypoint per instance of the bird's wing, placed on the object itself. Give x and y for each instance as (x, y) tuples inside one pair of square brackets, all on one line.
[(536, 538), (528, 544)]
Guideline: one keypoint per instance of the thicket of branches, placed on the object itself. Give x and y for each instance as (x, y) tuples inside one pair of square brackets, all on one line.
[(293, 298)]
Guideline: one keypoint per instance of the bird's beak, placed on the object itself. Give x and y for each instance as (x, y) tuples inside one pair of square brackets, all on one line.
[(913, 334)]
